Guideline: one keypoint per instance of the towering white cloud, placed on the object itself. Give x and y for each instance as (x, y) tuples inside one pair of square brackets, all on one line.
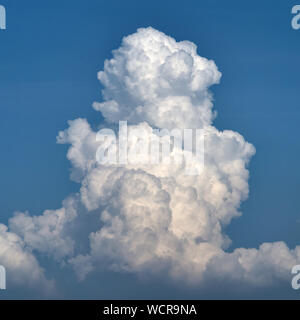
[(155, 218)]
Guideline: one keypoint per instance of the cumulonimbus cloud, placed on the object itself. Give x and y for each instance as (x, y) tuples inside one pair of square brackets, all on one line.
[(153, 219)]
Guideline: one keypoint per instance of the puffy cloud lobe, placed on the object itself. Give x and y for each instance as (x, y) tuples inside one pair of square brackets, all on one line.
[(46, 233), (261, 267), (82, 152), (155, 218), (153, 78), (22, 267)]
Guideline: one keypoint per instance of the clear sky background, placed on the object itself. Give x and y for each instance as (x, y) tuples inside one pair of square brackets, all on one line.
[(49, 58)]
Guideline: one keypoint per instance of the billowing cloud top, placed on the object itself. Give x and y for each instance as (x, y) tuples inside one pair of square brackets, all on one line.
[(155, 79), (153, 218)]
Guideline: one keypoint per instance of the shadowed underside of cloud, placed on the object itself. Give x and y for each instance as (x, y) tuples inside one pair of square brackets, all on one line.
[(150, 219)]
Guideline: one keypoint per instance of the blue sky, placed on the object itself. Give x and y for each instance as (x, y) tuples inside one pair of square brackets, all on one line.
[(49, 58)]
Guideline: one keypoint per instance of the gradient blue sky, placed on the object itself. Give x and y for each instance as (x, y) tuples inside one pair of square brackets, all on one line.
[(49, 58)]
